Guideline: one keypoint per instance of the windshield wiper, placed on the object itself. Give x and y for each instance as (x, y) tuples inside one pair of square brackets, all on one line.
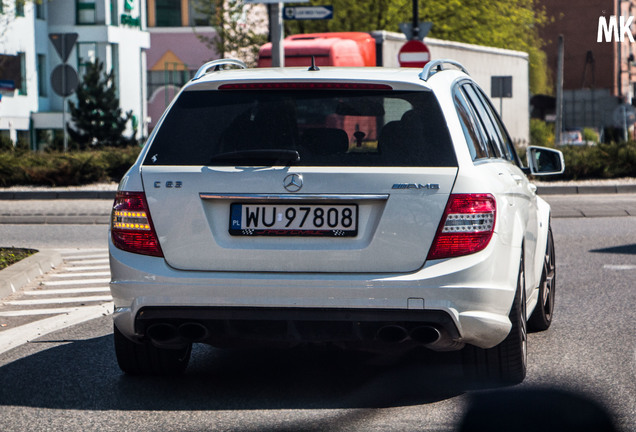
[(258, 157)]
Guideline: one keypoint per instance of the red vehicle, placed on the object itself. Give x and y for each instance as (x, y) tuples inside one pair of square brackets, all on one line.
[(333, 49), (329, 49)]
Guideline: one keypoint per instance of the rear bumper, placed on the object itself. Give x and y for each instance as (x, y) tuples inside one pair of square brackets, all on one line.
[(466, 300), (232, 326)]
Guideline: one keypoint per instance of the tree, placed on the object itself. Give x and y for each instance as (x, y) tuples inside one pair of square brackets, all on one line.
[(97, 117), (511, 24), (233, 36)]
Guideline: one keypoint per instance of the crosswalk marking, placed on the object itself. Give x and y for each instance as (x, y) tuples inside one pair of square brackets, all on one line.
[(86, 274), (77, 282), (32, 312), (95, 261), (73, 269), (63, 291), (74, 292), (17, 336), (74, 258), (57, 300)]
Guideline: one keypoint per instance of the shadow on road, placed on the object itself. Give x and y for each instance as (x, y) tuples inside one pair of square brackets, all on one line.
[(623, 250), (83, 374)]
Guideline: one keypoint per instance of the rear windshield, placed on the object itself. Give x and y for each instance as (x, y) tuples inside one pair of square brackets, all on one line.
[(308, 128)]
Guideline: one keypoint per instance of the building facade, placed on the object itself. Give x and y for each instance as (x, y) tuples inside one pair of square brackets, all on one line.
[(112, 31), (599, 68), (181, 41)]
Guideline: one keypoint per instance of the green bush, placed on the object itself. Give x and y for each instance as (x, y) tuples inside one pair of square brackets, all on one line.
[(541, 133), (65, 169), (602, 161)]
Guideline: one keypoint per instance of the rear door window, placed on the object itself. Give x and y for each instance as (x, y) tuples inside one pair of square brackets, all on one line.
[(494, 142), (473, 131), (325, 128), (506, 141)]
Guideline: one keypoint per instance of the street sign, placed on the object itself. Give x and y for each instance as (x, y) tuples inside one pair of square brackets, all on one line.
[(414, 53), (423, 28), (501, 86), (308, 12), (63, 43), (64, 80)]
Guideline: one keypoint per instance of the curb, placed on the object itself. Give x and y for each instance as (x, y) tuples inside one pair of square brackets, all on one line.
[(586, 190), (110, 195), (16, 276), (55, 219), (49, 195)]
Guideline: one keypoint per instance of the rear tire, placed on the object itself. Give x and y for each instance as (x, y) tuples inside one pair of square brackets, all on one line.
[(541, 317), (506, 363), (146, 359)]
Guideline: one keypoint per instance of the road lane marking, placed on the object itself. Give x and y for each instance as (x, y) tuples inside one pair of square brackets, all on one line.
[(619, 267), (15, 337)]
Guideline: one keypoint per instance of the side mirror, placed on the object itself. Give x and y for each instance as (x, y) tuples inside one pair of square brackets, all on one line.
[(544, 161)]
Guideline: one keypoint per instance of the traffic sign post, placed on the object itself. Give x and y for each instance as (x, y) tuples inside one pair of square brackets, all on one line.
[(414, 53), (501, 87), (64, 78), (276, 27)]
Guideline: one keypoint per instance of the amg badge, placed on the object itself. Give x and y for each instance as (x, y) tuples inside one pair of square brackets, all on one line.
[(431, 186)]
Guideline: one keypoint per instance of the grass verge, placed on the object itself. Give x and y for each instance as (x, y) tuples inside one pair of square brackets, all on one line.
[(10, 256)]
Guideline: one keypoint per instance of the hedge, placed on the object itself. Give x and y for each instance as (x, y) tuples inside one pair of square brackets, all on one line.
[(65, 169), (601, 161)]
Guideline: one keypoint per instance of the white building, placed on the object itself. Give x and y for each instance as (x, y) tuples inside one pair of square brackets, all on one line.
[(112, 31)]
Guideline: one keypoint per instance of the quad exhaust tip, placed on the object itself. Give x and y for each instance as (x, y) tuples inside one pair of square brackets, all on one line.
[(165, 334), (424, 335)]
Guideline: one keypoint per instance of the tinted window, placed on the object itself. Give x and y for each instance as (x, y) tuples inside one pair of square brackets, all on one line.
[(494, 117), (508, 147), (494, 142), (326, 128), (475, 136)]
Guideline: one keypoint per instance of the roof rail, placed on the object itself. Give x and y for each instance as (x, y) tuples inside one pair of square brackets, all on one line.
[(216, 64), (434, 66)]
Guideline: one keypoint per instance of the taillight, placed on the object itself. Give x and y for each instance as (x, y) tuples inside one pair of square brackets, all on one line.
[(131, 227), (466, 227)]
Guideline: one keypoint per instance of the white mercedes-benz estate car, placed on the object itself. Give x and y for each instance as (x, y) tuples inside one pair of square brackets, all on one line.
[(369, 208)]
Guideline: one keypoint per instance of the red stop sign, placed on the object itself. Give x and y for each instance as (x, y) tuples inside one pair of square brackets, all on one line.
[(414, 53)]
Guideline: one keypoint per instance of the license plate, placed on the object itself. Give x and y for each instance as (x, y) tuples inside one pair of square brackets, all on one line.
[(284, 219)]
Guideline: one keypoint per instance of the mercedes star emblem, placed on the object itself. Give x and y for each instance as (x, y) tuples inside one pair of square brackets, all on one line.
[(293, 182)]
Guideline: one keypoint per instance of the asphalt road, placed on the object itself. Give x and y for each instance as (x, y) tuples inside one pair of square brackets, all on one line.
[(69, 380)]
